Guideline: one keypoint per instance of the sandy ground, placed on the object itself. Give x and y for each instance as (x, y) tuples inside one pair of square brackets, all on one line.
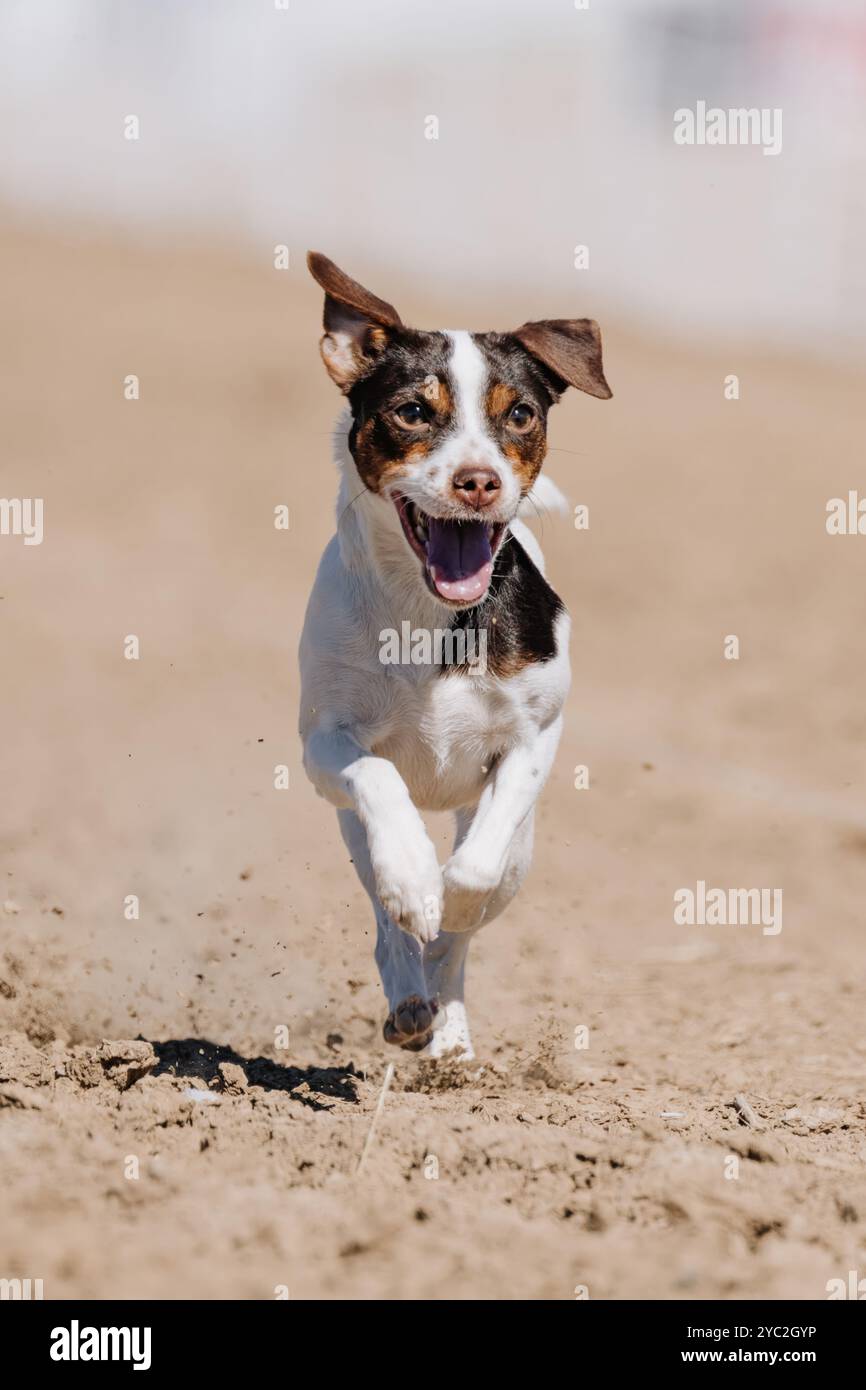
[(541, 1168)]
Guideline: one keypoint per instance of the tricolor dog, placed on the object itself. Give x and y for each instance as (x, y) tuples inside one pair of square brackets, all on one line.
[(440, 449)]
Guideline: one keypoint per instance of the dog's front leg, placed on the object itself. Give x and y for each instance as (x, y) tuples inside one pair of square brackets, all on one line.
[(406, 872), (480, 859)]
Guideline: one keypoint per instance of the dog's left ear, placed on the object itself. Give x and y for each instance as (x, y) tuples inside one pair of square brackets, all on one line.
[(571, 348), (357, 323)]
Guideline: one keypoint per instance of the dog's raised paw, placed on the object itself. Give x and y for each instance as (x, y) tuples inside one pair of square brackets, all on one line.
[(410, 1025), (467, 892), (409, 883)]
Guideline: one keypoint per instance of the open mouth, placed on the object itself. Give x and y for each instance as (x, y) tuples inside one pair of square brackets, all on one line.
[(457, 555)]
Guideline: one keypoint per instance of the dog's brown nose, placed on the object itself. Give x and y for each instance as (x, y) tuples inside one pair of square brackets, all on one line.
[(477, 485)]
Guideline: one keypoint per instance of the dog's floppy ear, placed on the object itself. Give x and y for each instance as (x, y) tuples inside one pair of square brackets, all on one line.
[(571, 348), (357, 323)]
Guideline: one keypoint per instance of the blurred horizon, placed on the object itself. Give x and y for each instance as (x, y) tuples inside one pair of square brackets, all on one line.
[(303, 126)]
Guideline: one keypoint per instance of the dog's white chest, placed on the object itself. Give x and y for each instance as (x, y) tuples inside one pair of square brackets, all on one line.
[(446, 733)]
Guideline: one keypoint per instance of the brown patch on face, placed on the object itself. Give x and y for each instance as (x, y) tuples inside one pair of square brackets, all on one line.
[(380, 459), (526, 455), (419, 450), (402, 408), (524, 449), (499, 400)]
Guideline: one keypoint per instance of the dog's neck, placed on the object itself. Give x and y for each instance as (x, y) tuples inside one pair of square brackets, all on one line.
[(374, 550)]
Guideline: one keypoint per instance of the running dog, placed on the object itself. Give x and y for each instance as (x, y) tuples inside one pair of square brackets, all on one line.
[(440, 450)]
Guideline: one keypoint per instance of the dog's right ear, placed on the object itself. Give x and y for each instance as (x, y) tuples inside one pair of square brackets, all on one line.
[(357, 324)]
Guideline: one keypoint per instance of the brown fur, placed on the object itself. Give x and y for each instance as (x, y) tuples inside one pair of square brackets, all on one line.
[(500, 398), (571, 348), (526, 455), (339, 286)]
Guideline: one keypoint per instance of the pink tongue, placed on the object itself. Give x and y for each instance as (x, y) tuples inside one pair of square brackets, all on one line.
[(459, 558)]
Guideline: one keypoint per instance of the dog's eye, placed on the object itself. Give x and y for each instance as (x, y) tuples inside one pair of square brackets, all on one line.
[(412, 415), (521, 416)]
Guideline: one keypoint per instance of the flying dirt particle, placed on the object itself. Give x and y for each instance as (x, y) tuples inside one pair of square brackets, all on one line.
[(354, 1247)]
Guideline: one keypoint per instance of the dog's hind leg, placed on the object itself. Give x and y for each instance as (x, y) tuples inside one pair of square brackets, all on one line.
[(398, 955), (444, 971)]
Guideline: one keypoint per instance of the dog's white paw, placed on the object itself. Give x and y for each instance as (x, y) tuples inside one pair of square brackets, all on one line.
[(409, 883), (450, 1036), (468, 887)]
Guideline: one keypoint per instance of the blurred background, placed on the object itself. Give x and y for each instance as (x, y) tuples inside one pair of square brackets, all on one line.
[(282, 121), (306, 126)]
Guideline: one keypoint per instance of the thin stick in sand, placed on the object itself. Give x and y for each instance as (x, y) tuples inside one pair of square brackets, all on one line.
[(389, 1072), (746, 1112)]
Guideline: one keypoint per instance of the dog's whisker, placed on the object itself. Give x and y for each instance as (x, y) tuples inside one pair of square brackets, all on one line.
[(349, 504)]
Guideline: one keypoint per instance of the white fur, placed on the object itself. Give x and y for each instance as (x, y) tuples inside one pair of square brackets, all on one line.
[(544, 496), (382, 743)]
